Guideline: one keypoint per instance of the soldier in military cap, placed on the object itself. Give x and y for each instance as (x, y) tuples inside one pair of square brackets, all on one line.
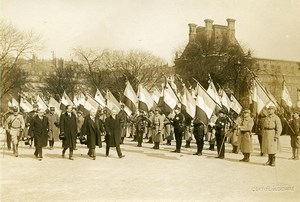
[(15, 124), (245, 137), (271, 131), (158, 126), (295, 135), (8, 136), (142, 122), (220, 126), (178, 123), (53, 119), (123, 120)]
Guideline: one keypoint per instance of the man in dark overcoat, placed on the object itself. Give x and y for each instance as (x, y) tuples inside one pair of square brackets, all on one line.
[(220, 126), (178, 123), (68, 127), (92, 129), (199, 135), (38, 130), (113, 133)]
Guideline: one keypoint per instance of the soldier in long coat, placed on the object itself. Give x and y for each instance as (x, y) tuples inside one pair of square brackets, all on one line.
[(53, 119), (38, 130), (245, 137), (92, 129), (168, 128), (272, 129), (178, 123), (198, 132), (295, 135), (211, 131), (220, 127), (158, 127), (150, 127), (68, 127), (188, 131), (123, 121), (113, 133)]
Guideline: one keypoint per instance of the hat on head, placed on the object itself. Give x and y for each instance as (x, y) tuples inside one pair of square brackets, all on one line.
[(52, 108), (271, 107), (221, 111), (177, 108), (79, 112), (35, 106), (15, 109)]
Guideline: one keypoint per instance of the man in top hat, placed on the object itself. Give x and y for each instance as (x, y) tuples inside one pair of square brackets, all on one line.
[(245, 137), (15, 124), (271, 130), (38, 130), (295, 135), (220, 126), (53, 119), (178, 123)]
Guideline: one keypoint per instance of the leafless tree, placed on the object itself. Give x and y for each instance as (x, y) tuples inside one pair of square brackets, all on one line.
[(15, 46)]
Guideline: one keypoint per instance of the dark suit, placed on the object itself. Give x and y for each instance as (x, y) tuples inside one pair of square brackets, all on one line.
[(92, 129), (113, 134), (68, 126), (39, 131)]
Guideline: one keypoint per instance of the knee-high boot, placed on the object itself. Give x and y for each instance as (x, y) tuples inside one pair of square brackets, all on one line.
[(16, 150), (243, 159), (247, 157), (187, 144), (71, 153)]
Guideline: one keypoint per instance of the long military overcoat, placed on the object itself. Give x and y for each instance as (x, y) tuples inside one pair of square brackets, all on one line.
[(245, 137), (271, 128)]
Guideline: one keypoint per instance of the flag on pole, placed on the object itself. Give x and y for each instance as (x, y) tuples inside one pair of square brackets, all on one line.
[(169, 99), (41, 103), (130, 98), (205, 105), (111, 102), (65, 100), (91, 103), (145, 100), (213, 93), (25, 105), (235, 105), (188, 103), (259, 98), (155, 95), (55, 104), (100, 99), (13, 102), (225, 101), (286, 101)]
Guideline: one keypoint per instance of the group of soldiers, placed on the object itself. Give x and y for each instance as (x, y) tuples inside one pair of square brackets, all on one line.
[(157, 127)]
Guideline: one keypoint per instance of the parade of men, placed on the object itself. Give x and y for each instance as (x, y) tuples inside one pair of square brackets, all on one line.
[(38, 130), (68, 128), (140, 100)]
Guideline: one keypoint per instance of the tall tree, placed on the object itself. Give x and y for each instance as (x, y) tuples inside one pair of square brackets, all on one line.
[(15, 46)]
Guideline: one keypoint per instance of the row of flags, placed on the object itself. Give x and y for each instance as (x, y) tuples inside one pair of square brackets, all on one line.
[(197, 102)]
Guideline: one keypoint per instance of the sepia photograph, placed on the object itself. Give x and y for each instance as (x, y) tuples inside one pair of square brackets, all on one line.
[(149, 100)]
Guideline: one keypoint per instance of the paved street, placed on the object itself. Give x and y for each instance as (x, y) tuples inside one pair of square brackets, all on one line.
[(148, 175)]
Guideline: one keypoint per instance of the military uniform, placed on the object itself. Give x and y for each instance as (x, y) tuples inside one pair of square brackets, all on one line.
[(245, 137), (158, 126), (8, 137), (272, 129), (15, 124), (234, 135), (168, 128), (211, 131), (142, 122), (188, 131), (178, 123), (150, 127), (220, 127), (53, 119), (123, 121), (295, 137), (29, 117), (198, 132)]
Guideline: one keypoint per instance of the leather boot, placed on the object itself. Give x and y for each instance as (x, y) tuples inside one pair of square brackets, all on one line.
[(211, 147), (247, 157), (273, 161), (294, 154), (269, 160), (150, 140), (122, 140), (297, 154), (243, 159), (71, 154), (187, 144)]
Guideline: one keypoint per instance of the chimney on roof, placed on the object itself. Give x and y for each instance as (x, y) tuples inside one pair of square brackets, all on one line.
[(192, 33)]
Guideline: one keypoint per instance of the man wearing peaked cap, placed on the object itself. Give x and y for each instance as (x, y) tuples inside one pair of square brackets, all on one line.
[(178, 123), (271, 130), (295, 134)]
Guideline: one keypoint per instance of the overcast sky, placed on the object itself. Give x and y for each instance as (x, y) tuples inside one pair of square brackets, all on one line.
[(269, 27)]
